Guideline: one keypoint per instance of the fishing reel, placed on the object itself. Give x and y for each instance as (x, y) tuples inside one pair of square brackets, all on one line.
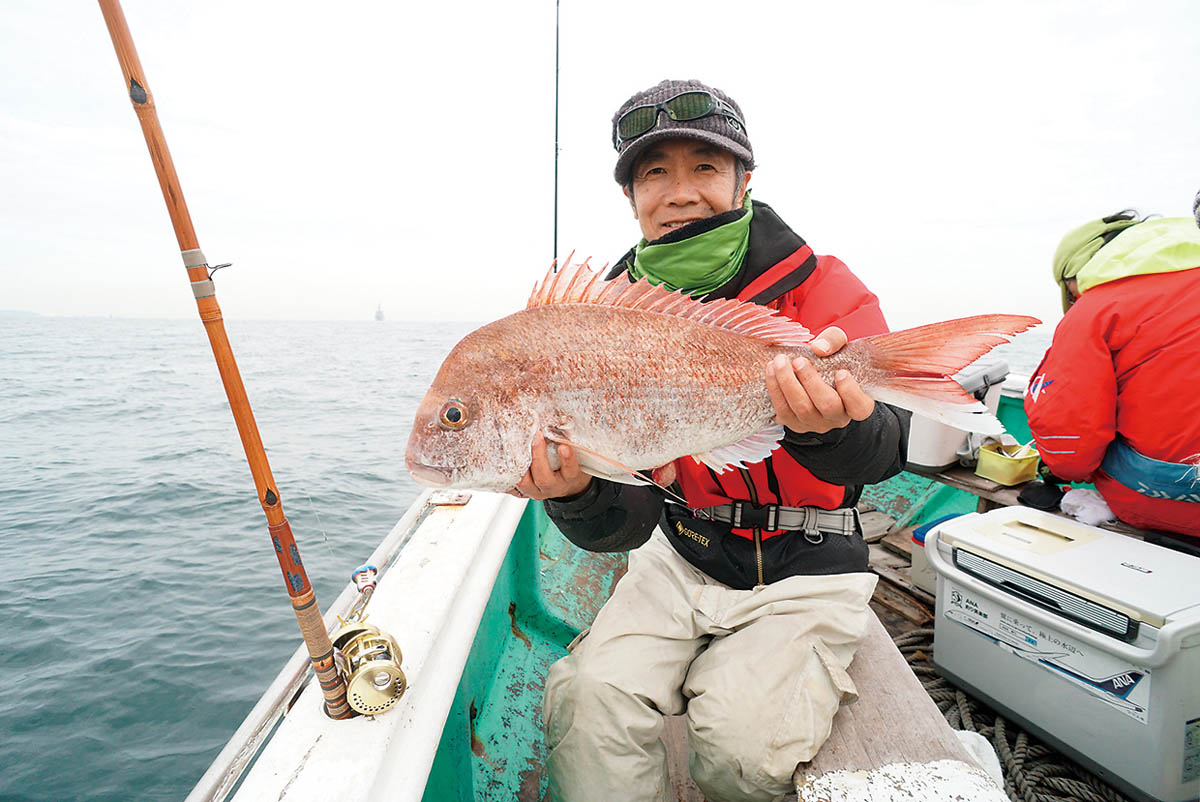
[(367, 658)]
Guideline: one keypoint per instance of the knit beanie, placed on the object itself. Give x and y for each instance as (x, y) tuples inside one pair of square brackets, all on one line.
[(717, 128)]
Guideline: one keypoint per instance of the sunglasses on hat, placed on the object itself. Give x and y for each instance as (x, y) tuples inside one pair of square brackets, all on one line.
[(684, 107)]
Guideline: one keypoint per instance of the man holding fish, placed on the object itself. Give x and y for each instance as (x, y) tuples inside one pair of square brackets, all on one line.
[(745, 628), (681, 409)]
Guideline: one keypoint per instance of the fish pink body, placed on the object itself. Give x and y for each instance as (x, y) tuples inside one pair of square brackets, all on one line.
[(634, 377)]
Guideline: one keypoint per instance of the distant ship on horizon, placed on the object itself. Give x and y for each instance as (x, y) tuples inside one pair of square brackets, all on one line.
[(379, 312)]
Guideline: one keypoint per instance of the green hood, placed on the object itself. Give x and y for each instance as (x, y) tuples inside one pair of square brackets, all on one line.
[(1079, 246), (1154, 246)]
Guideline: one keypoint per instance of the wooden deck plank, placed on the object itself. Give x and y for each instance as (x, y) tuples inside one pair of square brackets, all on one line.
[(899, 542), (893, 722), (876, 525), (901, 604), (883, 558), (675, 738), (896, 571)]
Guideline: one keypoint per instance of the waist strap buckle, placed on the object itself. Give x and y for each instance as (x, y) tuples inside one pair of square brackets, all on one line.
[(813, 522)]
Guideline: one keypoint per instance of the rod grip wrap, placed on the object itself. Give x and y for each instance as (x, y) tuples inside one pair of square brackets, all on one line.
[(193, 258), (203, 289)]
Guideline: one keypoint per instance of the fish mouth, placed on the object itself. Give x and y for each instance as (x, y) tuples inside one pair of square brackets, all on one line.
[(429, 475)]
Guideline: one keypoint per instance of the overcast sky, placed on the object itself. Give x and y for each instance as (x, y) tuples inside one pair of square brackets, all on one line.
[(362, 153)]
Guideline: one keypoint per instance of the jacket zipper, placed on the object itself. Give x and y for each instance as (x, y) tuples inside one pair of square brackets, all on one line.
[(755, 531)]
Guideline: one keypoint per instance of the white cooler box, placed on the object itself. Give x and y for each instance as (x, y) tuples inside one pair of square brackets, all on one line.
[(1087, 638), (933, 446)]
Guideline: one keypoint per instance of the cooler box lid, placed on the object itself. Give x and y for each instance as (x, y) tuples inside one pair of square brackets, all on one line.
[(1147, 582), (982, 373)]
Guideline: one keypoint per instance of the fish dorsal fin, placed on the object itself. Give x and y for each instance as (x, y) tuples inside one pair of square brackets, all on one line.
[(747, 451), (578, 283)]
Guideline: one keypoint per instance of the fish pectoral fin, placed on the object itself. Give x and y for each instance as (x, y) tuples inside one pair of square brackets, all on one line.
[(593, 463), (747, 451), (596, 464), (621, 477), (632, 478)]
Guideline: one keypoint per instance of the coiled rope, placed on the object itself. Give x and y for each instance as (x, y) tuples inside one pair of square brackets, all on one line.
[(1033, 772)]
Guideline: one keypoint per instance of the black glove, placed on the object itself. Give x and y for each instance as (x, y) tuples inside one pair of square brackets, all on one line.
[(1043, 493)]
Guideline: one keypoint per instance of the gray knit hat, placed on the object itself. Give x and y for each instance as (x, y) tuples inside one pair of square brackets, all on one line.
[(718, 129), (1196, 208)]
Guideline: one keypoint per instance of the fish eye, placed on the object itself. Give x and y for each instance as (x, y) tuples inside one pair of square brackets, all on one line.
[(453, 414)]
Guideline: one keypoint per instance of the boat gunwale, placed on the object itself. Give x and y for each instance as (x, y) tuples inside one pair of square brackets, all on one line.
[(394, 750), (231, 763)]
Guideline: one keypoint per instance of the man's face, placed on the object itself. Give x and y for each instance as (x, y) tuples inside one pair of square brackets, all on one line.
[(679, 181)]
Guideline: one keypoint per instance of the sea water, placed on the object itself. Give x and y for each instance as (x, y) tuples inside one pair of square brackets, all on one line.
[(142, 611)]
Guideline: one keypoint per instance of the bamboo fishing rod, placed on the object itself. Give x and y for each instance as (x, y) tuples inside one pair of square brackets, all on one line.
[(304, 600)]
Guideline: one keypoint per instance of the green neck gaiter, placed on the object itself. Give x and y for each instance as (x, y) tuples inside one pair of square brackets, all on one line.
[(699, 264)]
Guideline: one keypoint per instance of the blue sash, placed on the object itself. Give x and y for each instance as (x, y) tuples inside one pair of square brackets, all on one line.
[(1151, 477)]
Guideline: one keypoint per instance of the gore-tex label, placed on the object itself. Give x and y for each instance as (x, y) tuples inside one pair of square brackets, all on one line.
[(1117, 683)]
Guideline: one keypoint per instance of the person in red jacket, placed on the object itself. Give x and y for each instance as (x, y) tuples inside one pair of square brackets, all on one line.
[(1115, 400), (742, 608)]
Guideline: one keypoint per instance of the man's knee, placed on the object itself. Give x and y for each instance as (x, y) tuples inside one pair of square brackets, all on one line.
[(740, 770), (737, 777), (595, 701), (746, 747), (603, 739)]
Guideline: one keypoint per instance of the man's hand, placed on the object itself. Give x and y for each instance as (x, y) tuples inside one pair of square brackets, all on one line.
[(804, 402), (541, 482)]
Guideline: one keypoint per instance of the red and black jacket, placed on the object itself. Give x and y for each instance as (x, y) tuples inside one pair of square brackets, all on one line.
[(826, 470)]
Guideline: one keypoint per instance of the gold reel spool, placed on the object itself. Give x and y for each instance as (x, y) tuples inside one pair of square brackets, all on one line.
[(370, 661)]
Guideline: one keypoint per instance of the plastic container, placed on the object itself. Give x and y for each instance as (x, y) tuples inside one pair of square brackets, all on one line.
[(933, 446), (1088, 639), (996, 462), (923, 575)]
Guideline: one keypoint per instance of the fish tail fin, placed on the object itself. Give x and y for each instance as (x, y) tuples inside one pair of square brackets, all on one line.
[(917, 365)]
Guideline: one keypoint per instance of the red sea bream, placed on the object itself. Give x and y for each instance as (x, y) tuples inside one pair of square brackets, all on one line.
[(634, 376)]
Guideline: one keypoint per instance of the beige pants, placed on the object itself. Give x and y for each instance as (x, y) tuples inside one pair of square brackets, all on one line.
[(760, 674)]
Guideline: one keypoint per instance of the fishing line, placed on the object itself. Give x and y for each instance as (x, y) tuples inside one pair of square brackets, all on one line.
[(320, 526), (555, 253)]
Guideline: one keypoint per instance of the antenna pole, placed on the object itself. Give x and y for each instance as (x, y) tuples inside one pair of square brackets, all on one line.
[(304, 601)]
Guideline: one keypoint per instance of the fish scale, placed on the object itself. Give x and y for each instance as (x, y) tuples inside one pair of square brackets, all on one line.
[(718, 379)]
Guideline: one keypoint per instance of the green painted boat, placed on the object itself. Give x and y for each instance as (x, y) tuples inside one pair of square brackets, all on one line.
[(482, 593)]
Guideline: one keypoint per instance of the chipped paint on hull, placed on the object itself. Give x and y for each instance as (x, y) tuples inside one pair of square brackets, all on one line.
[(940, 781), (547, 591)]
